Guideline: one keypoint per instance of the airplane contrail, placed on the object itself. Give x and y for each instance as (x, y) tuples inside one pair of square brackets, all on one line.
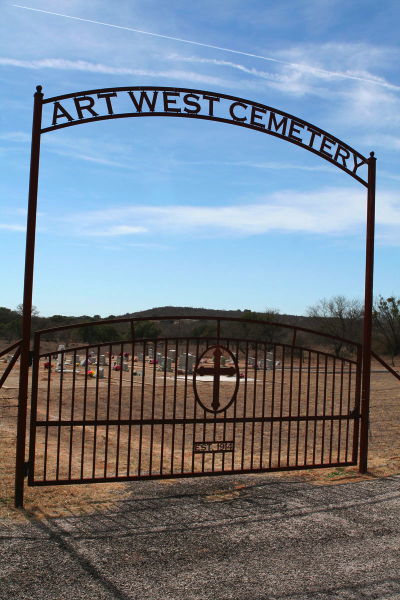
[(220, 48)]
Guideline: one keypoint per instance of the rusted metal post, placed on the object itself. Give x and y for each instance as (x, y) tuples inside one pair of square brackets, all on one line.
[(27, 300), (368, 306)]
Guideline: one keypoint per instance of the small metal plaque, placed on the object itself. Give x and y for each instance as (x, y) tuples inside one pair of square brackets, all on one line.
[(202, 447)]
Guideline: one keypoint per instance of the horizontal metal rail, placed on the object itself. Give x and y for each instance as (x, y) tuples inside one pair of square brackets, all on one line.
[(186, 475), (189, 421)]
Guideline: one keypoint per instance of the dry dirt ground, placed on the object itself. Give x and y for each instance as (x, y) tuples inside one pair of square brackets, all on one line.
[(53, 501)]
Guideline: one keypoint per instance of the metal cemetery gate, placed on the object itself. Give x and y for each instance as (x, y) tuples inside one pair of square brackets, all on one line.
[(287, 419), (187, 406)]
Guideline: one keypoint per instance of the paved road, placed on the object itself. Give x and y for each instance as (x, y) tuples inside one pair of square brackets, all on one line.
[(202, 539)]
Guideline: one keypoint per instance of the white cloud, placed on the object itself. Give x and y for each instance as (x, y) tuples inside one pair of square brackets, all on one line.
[(116, 230), (334, 211), (12, 227), (16, 136), (92, 67), (290, 72), (268, 165)]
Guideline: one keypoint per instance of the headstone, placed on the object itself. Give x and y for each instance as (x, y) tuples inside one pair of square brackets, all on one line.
[(165, 364), (60, 358), (172, 354), (100, 373), (102, 360), (125, 366), (186, 362), (223, 360), (267, 364)]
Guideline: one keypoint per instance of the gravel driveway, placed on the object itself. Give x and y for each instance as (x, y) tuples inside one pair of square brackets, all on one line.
[(243, 537)]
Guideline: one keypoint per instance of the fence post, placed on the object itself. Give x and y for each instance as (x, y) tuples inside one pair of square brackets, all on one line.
[(27, 300), (368, 306)]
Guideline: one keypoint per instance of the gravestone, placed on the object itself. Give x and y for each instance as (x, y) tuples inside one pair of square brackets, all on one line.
[(165, 364), (186, 362), (60, 358)]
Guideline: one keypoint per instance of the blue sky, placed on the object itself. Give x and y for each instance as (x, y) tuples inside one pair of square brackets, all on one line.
[(136, 213)]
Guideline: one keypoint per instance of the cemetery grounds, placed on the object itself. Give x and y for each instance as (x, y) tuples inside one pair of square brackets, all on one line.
[(59, 500)]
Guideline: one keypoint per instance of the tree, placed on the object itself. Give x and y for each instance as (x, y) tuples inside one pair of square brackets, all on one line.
[(386, 315), (99, 334), (146, 329), (34, 311), (339, 316)]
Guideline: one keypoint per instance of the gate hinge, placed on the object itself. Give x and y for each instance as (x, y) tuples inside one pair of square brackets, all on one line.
[(26, 468)]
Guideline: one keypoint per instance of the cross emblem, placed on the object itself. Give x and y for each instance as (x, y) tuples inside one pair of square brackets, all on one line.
[(217, 371)]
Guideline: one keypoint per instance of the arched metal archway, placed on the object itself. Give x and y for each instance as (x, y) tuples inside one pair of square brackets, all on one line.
[(112, 103)]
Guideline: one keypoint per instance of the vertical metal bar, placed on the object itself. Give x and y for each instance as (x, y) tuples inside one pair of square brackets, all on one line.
[(60, 399), (153, 399), (96, 408), (332, 407), (142, 407), (324, 410), (299, 405), (174, 406), (272, 406), (203, 456), (119, 409), (46, 437), (340, 410), (163, 410), (263, 405), (84, 411), (224, 425), (254, 406), (316, 411), (246, 369), (357, 403), (184, 407), (307, 406), (348, 412), (281, 405), (71, 431), (368, 306), (216, 391), (27, 299), (235, 408), (195, 408), (108, 408), (128, 459), (35, 381), (290, 404)]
